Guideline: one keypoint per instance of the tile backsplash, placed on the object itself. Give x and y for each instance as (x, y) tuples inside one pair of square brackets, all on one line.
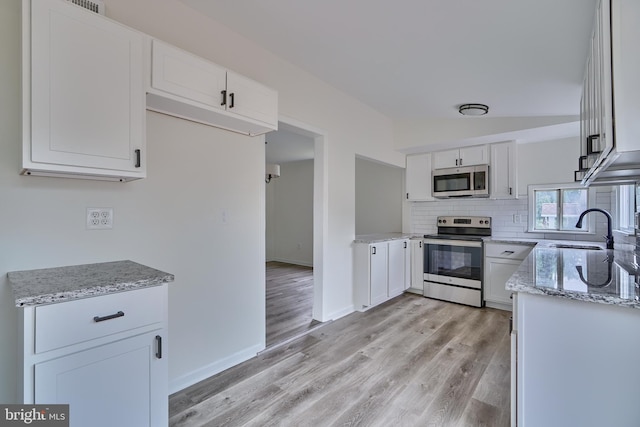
[(509, 217)]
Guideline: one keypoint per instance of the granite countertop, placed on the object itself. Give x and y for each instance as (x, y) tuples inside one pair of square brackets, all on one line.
[(602, 276), (383, 237), (50, 285)]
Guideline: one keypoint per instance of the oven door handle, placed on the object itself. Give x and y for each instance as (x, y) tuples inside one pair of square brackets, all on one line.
[(447, 242)]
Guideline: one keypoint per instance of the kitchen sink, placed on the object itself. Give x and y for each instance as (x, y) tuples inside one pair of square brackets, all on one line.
[(571, 246)]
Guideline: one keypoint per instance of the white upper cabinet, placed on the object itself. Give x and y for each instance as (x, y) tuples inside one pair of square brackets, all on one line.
[(610, 129), (187, 86), (418, 178), (83, 94), (468, 156), (504, 175)]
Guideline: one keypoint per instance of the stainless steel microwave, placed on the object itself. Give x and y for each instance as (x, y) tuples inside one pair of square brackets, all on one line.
[(467, 181)]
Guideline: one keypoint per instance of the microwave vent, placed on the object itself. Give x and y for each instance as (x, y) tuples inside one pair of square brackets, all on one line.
[(96, 6)]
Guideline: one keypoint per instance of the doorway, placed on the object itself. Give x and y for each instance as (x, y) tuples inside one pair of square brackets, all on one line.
[(295, 218)]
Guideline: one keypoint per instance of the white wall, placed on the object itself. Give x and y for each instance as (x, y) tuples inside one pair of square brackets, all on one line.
[(378, 197), (290, 214), (548, 162), (173, 219)]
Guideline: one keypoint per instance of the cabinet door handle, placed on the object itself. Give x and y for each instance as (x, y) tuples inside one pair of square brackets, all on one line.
[(224, 97), (373, 250), (456, 162), (407, 196), (460, 162), (159, 346), (137, 151), (109, 317), (420, 244), (233, 97), (510, 189), (405, 245)]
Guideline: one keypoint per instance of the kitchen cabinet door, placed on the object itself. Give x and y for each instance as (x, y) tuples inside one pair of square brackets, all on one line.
[(110, 385), (446, 159), (417, 267), (378, 273), (476, 155), (418, 178), (83, 94), (252, 100), (497, 272), (504, 175), (398, 251), (180, 73)]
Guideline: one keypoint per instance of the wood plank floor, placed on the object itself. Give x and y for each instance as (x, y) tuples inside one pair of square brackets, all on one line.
[(412, 361), (289, 296)]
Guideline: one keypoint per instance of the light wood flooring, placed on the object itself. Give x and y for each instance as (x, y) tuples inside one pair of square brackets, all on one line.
[(289, 308), (411, 361)]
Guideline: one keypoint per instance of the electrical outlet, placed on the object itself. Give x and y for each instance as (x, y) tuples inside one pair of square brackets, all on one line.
[(99, 218)]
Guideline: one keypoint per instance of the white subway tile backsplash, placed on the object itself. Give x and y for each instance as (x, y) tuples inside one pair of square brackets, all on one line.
[(509, 217)]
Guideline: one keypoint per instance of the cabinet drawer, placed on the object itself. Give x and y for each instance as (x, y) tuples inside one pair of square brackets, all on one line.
[(67, 323), (507, 250)]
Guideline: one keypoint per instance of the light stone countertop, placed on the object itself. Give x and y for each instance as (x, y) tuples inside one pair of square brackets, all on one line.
[(51, 285), (384, 237), (607, 275)]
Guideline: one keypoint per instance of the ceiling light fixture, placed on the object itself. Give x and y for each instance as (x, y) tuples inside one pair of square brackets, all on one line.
[(473, 109)]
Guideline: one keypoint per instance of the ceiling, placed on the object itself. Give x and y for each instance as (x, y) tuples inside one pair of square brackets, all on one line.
[(418, 59)]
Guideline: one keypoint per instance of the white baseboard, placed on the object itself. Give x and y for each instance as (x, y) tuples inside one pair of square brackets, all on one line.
[(340, 313), (498, 305), (207, 371), (292, 261)]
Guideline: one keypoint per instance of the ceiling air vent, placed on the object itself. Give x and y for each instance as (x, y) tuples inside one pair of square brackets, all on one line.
[(96, 6)]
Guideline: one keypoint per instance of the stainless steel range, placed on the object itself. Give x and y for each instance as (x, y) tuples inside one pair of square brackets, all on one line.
[(453, 259)]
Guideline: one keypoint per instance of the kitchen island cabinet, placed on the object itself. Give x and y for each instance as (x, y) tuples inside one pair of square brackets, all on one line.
[(575, 345), (95, 337)]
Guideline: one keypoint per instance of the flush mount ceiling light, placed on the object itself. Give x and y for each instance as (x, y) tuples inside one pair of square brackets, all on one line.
[(473, 109)]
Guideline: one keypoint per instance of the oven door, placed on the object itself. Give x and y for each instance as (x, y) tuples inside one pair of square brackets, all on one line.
[(453, 262)]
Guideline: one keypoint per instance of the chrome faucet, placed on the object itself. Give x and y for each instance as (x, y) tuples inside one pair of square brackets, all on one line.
[(609, 237)]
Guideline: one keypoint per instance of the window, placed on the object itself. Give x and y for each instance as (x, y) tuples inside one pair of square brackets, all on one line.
[(556, 208), (625, 207)]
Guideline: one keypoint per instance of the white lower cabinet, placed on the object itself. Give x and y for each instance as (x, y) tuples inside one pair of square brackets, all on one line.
[(501, 261), (117, 381), (381, 271), (110, 363)]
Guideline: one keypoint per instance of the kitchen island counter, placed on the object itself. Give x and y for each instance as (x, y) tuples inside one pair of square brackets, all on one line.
[(603, 276), (51, 285)]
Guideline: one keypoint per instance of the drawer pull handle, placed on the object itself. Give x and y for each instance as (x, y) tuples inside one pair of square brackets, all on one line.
[(109, 317), (507, 252), (159, 351)]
